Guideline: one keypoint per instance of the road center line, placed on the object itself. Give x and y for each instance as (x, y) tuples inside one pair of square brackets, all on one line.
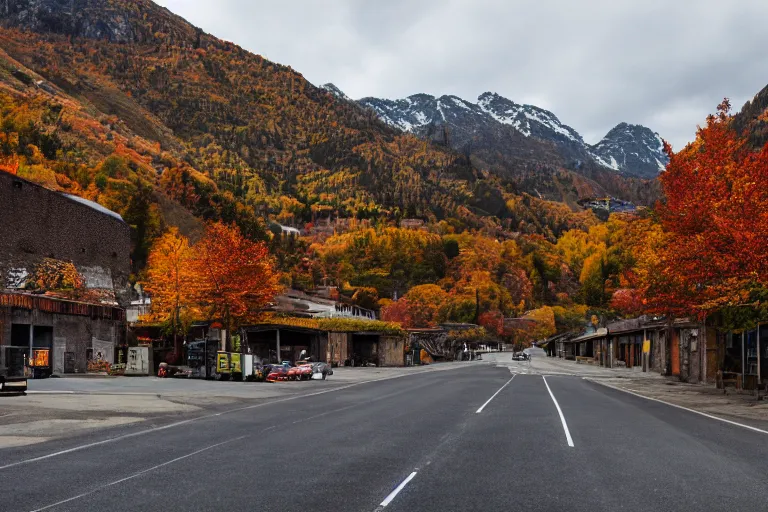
[(138, 474), (494, 395), (560, 412), (397, 490)]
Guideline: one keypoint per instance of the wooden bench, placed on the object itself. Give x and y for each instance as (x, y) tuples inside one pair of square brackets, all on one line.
[(726, 378)]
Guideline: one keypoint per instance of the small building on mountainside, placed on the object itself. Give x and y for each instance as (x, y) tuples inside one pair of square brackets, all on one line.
[(42, 232)]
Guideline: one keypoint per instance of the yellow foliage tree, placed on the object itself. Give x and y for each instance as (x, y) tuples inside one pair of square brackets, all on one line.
[(170, 280)]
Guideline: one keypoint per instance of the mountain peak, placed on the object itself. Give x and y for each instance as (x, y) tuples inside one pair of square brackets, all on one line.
[(632, 148), (335, 91), (627, 148)]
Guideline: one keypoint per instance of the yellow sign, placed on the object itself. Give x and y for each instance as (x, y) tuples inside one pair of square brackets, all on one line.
[(234, 363), (647, 346), (223, 362)]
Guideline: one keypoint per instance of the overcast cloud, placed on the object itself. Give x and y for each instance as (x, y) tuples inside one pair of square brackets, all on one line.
[(665, 64)]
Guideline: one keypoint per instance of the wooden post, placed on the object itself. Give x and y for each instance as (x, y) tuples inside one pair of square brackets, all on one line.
[(277, 337), (646, 355), (703, 344), (758, 362), (743, 359), (31, 345)]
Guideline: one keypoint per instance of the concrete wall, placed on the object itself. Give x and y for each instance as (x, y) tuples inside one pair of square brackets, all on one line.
[(37, 223)]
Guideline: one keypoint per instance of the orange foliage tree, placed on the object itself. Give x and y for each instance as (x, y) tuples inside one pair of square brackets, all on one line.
[(171, 282), (397, 311), (716, 219), (493, 321), (235, 276)]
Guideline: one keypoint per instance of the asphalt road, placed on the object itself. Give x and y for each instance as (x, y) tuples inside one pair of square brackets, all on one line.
[(415, 443)]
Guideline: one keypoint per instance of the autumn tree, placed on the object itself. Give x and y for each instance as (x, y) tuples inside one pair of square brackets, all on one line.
[(538, 324), (171, 282), (236, 277), (425, 303), (493, 321), (397, 311), (716, 219)]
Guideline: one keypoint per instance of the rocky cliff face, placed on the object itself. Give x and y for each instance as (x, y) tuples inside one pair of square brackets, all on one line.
[(118, 21)]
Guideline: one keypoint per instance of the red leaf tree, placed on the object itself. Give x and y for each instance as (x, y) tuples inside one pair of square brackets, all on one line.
[(236, 277), (716, 219)]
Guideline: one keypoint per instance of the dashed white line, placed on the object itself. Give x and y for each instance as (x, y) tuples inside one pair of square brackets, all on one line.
[(560, 412), (397, 490), (494, 395), (138, 474)]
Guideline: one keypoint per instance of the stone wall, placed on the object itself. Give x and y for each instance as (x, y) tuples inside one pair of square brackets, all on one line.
[(37, 223)]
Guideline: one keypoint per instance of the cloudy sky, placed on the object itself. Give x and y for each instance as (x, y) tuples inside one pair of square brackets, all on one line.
[(594, 63)]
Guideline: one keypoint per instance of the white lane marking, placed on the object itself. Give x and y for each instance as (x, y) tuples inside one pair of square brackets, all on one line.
[(560, 412), (207, 416), (489, 400), (138, 474), (49, 392), (754, 429), (397, 490)]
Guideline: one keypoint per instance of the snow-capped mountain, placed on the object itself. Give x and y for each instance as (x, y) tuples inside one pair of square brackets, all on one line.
[(529, 120), (335, 91), (496, 123), (633, 149)]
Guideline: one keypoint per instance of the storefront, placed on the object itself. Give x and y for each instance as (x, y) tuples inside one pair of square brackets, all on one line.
[(42, 335), (745, 358)]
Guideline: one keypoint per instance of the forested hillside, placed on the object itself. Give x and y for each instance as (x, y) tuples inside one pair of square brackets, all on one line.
[(128, 105), (222, 132)]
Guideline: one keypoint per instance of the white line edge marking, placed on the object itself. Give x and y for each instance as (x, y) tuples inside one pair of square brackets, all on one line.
[(397, 490), (560, 412), (137, 474), (754, 429), (489, 400), (33, 392), (207, 416)]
